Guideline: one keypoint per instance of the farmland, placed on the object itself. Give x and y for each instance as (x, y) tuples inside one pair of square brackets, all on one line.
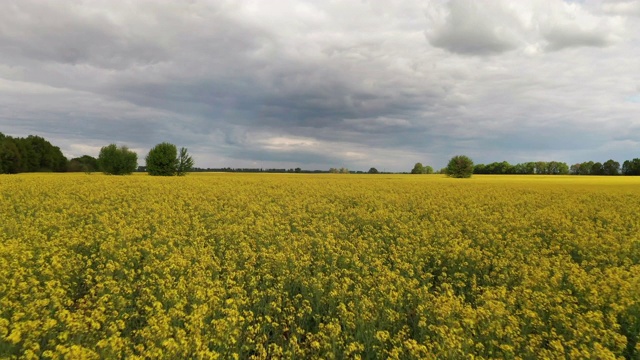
[(319, 266)]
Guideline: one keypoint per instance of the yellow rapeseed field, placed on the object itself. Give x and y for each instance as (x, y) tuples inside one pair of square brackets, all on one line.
[(319, 266)]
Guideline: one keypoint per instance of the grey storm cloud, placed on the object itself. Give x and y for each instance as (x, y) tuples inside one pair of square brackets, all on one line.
[(325, 84)]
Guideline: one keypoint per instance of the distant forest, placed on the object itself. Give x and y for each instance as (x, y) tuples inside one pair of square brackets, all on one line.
[(609, 167), (35, 154)]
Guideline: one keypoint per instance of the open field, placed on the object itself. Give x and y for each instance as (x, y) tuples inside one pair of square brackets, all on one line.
[(319, 266)]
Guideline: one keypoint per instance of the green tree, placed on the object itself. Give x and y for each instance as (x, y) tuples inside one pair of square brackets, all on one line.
[(597, 169), (116, 160), (85, 163), (611, 167), (38, 154), (575, 169), (542, 167), (631, 167), (586, 168), (480, 169), (417, 168), (31, 154), (460, 166), (373, 171), (10, 159), (185, 162), (557, 168), (162, 160)]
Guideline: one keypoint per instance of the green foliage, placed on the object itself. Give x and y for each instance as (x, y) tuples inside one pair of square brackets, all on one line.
[(418, 168), (162, 160), (597, 169), (373, 171), (116, 160), (611, 167), (31, 154), (538, 167), (85, 163), (631, 167), (10, 159), (460, 166), (185, 162)]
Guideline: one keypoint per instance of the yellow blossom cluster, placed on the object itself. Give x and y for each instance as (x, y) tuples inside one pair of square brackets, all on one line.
[(268, 266)]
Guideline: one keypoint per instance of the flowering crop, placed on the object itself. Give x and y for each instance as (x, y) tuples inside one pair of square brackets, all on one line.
[(319, 266)]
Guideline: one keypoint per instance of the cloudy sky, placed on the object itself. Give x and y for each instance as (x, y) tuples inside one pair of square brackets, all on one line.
[(319, 84)]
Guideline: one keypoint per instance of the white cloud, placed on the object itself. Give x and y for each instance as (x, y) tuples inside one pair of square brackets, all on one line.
[(471, 27), (485, 28), (622, 7), (572, 25), (283, 143)]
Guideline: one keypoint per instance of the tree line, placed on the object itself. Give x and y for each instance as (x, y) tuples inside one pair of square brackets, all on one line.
[(30, 154), (35, 154), (609, 167)]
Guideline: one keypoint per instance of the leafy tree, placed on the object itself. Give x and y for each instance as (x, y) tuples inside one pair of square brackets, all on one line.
[(597, 169), (499, 168), (542, 167), (344, 170), (611, 167), (38, 154), (524, 168), (539, 167), (46, 157), (586, 168), (10, 159), (185, 162), (162, 160), (84, 163), (30, 154), (631, 167), (116, 160), (373, 171), (529, 167), (575, 169), (557, 168), (480, 169), (417, 168), (334, 171), (460, 166)]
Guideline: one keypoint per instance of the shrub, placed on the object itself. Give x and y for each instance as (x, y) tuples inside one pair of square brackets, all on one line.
[(116, 160), (460, 166)]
